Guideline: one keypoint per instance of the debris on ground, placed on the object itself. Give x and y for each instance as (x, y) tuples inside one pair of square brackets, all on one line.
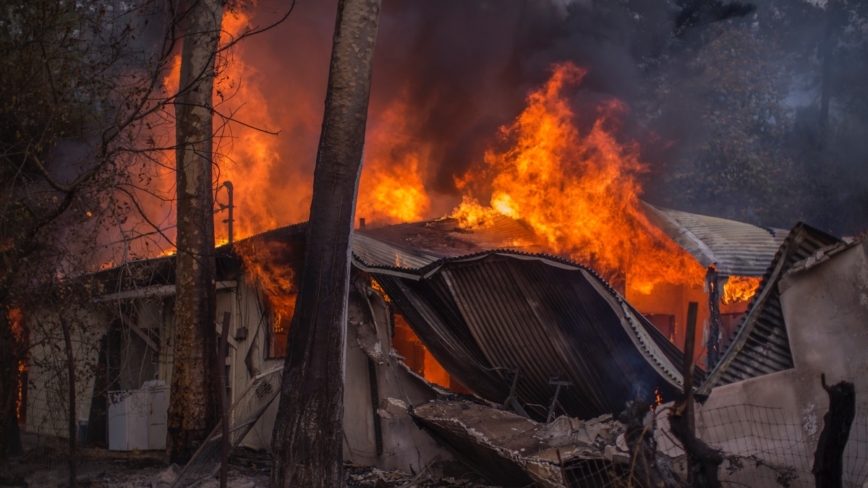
[(512, 450)]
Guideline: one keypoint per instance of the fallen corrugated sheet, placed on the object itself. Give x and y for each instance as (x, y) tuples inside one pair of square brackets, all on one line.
[(735, 248), (760, 345), (486, 315), (513, 451)]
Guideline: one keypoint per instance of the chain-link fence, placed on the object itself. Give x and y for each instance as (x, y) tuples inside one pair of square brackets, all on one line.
[(763, 447)]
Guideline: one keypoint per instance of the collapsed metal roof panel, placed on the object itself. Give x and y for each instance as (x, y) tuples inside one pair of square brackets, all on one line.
[(493, 312), (760, 344), (735, 248)]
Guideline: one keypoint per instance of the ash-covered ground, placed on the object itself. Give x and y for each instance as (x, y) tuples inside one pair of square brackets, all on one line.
[(100, 468)]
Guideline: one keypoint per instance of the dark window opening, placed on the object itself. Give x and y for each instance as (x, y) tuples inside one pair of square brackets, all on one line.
[(664, 323), (730, 323)]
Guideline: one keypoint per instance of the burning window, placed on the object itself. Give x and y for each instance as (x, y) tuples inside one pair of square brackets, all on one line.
[(269, 267), (664, 323), (419, 359), (279, 322)]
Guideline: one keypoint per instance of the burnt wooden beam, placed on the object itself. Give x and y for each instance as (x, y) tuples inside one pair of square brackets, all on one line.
[(829, 457), (703, 461)]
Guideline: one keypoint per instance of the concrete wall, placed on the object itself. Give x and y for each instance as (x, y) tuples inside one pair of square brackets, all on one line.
[(779, 417)]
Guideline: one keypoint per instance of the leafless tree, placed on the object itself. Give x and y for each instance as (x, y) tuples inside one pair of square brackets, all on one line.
[(307, 441), (85, 124), (193, 409)]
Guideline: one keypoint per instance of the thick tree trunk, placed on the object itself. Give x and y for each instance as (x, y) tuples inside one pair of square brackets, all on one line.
[(308, 431), (193, 409)]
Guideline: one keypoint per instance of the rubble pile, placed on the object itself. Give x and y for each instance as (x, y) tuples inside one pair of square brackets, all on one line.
[(511, 450)]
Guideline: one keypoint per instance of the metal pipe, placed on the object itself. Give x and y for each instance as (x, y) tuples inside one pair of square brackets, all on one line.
[(231, 207), (224, 408)]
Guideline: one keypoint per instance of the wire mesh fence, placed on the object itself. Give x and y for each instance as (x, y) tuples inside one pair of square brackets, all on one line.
[(249, 407), (763, 447)]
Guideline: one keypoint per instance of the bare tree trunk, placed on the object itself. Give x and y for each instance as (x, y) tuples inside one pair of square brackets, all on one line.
[(308, 431), (193, 409), (70, 371)]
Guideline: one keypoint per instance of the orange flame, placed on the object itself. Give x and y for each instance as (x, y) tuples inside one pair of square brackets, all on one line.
[(391, 189), (579, 192), (266, 265), (739, 289)]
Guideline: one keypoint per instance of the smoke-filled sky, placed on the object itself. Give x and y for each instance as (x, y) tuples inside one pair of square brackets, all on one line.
[(449, 73)]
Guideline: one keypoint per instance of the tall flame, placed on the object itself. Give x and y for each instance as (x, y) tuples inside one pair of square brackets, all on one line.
[(391, 189), (579, 192)]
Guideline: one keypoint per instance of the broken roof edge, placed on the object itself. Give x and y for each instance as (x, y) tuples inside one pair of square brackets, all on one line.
[(682, 236), (768, 286), (642, 333), (735, 248)]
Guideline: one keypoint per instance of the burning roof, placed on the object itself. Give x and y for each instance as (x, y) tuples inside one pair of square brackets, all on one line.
[(488, 314)]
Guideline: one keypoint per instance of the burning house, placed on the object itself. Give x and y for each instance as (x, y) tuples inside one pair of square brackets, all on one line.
[(559, 302), (482, 310)]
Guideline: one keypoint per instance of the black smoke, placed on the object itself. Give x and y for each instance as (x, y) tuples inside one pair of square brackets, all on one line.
[(467, 67)]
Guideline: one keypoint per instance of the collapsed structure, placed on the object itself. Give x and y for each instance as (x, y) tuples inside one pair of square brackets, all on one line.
[(487, 311)]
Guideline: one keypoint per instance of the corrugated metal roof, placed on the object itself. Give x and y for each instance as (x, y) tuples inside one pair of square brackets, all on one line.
[(382, 253), (417, 244), (735, 248), (484, 313), (760, 345)]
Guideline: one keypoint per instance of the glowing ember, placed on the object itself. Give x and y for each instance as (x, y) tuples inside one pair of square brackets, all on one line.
[(579, 192), (16, 322), (739, 289)]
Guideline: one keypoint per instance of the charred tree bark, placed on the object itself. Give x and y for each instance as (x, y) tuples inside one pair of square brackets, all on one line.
[(702, 461), (647, 470), (307, 441), (829, 457), (193, 408), (12, 352), (715, 322)]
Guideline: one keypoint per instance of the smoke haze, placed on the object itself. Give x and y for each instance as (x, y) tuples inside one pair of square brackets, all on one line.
[(449, 74)]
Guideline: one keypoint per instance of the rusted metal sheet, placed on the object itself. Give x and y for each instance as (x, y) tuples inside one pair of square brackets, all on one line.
[(486, 315), (735, 248), (760, 344)]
